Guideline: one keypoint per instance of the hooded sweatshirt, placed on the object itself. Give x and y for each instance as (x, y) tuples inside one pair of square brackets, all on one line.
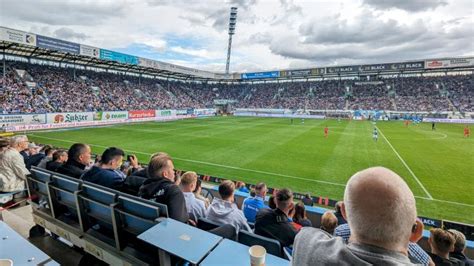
[(316, 247), (164, 191), (226, 212)]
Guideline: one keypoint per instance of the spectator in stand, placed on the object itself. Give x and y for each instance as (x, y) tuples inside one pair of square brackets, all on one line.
[(36, 154), (48, 151), (196, 208), (459, 248), (13, 171), (300, 215), (160, 187), (240, 186), (276, 223), (197, 193), (4, 144), (107, 172), (338, 213), (328, 222), (225, 211), (252, 205), (307, 200), (374, 192), (59, 158), (442, 243), (79, 157), (272, 202)]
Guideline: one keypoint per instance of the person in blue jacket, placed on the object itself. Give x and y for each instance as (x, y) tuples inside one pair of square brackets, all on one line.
[(252, 205)]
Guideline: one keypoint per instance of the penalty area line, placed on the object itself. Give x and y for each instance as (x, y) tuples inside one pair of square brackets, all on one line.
[(405, 164)]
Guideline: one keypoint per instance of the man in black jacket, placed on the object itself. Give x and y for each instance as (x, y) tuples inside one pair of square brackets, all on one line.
[(275, 223), (59, 158), (160, 187), (79, 157)]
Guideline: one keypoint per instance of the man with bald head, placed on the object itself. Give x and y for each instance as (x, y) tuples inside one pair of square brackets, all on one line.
[(381, 212)]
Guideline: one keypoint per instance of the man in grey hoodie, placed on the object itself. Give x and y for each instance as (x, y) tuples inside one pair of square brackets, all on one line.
[(381, 212), (225, 211)]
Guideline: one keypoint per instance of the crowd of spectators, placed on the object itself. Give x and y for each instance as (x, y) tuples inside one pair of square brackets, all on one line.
[(347, 236), (59, 90)]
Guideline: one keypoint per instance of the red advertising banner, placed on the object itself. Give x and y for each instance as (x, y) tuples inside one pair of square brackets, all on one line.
[(141, 114)]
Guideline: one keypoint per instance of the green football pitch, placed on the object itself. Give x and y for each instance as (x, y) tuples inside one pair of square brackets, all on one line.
[(437, 165)]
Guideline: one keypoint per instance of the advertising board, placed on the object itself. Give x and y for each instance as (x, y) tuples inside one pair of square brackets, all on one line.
[(56, 44), (110, 115), (22, 119), (56, 118), (261, 75), (17, 36), (134, 114)]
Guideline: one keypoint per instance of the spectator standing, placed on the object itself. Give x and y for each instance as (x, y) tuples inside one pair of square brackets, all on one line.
[(13, 171)]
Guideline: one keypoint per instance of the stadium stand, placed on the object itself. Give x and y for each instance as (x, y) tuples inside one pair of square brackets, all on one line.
[(31, 88)]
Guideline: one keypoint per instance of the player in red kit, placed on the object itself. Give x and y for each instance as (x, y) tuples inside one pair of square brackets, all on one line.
[(326, 131), (467, 132), (406, 123)]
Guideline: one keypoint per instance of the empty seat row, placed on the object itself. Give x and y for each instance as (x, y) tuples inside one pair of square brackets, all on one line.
[(99, 214)]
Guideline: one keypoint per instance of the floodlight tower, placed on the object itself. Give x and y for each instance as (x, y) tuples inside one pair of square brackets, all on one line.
[(232, 23)]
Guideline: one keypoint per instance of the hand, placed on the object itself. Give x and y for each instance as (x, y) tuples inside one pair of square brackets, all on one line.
[(418, 233), (133, 161)]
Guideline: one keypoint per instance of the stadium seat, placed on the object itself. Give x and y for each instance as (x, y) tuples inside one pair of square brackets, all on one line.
[(206, 224), (95, 213), (63, 192), (271, 245), (38, 189), (133, 216)]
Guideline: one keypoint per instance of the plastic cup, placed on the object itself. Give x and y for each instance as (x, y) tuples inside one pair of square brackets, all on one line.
[(257, 255)]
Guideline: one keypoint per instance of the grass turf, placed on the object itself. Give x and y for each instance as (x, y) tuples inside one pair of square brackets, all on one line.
[(298, 156)]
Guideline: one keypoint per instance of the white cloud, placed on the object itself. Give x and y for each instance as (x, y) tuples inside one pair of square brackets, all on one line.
[(270, 34)]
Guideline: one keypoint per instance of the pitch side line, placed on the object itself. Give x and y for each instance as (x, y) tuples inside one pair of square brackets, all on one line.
[(208, 163), (446, 201), (405, 164)]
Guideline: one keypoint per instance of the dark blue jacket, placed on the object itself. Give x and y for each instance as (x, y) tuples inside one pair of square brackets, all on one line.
[(104, 177)]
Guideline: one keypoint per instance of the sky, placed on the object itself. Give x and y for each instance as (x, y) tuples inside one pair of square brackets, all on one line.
[(270, 34)]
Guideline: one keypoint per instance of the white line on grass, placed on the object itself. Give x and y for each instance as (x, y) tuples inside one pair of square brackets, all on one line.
[(405, 164), (255, 171), (208, 163)]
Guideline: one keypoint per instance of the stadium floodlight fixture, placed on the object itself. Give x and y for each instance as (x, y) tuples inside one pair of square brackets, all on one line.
[(232, 24)]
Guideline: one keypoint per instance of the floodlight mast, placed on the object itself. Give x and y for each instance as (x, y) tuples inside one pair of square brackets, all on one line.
[(232, 23)]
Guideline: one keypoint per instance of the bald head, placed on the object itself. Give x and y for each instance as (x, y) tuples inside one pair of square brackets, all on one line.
[(380, 209)]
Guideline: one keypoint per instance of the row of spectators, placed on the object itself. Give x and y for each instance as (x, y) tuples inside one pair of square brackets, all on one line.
[(58, 90), (380, 230)]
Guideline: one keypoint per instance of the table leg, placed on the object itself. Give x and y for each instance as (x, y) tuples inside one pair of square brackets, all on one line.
[(165, 259)]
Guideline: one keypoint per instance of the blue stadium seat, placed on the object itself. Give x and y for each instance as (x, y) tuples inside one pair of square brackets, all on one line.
[(63, 190), (271, 245), (206, 224), (133, 216), (95, 213), (38, 189)]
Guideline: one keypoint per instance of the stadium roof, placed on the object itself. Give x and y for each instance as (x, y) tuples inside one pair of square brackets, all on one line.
[(30, 45)]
